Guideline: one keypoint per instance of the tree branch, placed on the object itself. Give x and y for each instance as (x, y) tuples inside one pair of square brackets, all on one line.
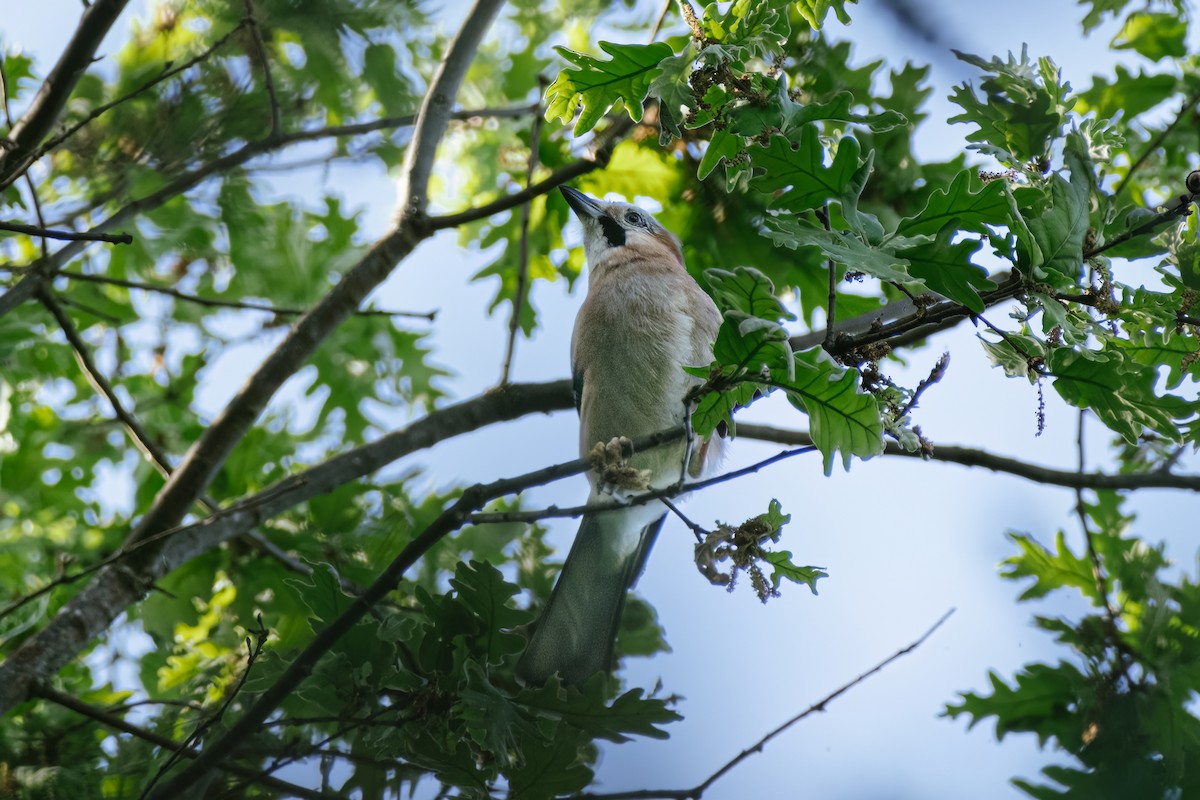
[(434, 115), (678, 488), (102, 387), (1156, 143), (260, 50), (514, 323), (111, 720), (46, 105), (302, 666), (118, 586), (83, 617), (212, 302), (167, 73), (71, 236), (46, 268), (698, 791), (571, 171), (971, 457)]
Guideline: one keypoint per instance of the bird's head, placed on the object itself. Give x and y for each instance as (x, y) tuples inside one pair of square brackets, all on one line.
[(615, 233)]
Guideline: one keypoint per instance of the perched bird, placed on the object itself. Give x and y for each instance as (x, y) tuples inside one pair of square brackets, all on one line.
[(643, 319)]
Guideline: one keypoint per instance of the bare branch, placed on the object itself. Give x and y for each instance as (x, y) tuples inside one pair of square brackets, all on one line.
[(514, 324), (71, 236), (971, 457), (103, 388), (698, 791), (118, 586), (46, 268), (260, 50), (1156, 143), (116, 723), (662, 17), (244, 305), (556, 179), (435, 108), (46, 105), (675, 489), (302, 666), (99, 111)]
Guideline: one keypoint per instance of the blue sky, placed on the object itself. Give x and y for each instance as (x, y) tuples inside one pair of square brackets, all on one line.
[(903, 541)]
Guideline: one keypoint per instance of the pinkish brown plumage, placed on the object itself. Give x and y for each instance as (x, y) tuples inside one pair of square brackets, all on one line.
[(643, 319)]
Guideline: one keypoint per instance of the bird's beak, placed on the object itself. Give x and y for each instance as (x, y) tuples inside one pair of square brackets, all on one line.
[(585, 207)]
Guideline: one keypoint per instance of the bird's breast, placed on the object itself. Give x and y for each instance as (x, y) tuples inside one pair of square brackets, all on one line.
[(633, 335)]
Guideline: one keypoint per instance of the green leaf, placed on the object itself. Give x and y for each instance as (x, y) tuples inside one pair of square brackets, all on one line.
[(785, 115), (841, 418), (674, 93), (1059, 231), (781, 560), (631, 714), (492, 720), (723, 146), (947, 268), (1051, 569), (797, 171), (1122, 395), (1022, 110), (814, 11), (1127, 93), (1013, 353), (1041, 702), (748, 29), (1155, 36), (1099, 10), (747, 290), (551, 766), (717, 407), (483, 591), (974, 210), (597, 85), (846, 250)]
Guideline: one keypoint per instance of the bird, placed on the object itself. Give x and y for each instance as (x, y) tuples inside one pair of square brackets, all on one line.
[(643, 319)]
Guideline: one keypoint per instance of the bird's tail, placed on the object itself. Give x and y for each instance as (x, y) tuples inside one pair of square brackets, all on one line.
[(576, 632)]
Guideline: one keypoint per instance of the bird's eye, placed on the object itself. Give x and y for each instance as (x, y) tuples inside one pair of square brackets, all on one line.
[(635, 218)]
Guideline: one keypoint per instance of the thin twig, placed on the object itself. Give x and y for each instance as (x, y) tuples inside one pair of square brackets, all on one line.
[(154, 454), (260, 48), (70, 236), (102, 387), (46, 268), (509, 201), (254, 651), (935, 375), (345, 727), (662, 17), (514, 324), (1188, 104), (1098, 573), (675, 489), (698, 791), (973, 457), (167, 73), (51, 97), (695, 528), (244, 305), (303, 664), (108, 719), (831, 307)]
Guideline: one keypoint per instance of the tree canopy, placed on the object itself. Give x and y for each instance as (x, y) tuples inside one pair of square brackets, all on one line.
[(306, 605)]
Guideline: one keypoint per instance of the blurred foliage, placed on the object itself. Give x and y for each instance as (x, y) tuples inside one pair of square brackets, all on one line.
[(787, 168)]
